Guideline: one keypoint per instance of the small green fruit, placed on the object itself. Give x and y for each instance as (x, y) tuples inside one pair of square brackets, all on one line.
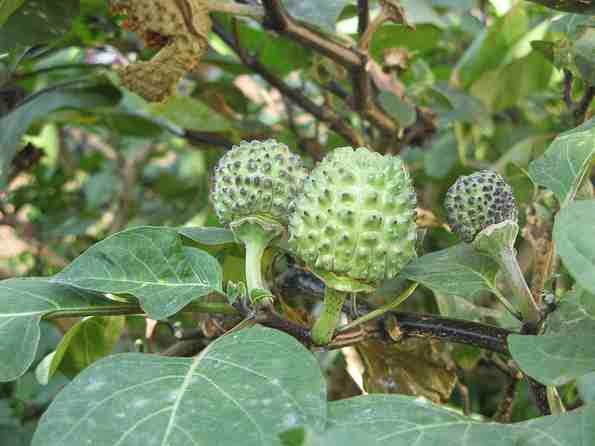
[(254, 190), (477, 201), (257, 179), (354, 224)]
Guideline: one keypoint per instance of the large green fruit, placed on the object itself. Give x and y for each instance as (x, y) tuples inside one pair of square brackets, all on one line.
[(477, 201), (354, 224), (258, 178)]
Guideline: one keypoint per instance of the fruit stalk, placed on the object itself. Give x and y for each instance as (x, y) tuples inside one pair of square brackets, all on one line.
[(256, 233), (515, 279), (324, 327)]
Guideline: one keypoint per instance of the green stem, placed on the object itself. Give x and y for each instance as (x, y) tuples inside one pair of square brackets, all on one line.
[(515, 279), (256, 233), (254, 251), (324, 327), (380, 311)]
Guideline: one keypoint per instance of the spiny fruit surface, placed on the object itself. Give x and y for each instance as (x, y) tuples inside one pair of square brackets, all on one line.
[(477, 201), (356, 216), (258, 178)]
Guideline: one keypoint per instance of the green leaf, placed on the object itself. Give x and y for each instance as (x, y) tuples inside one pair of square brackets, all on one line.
[(401, 110), (565, 163), (462, 107), (573, 236), (189, 113), (149, 263), (507, 86), (584, 56), (586, 387), (490, 49), (245, 388), (14, 125), (424, 38), (405, 421), (332, 437), (208, 235), (421, 11), (567, 350), (35, 22), (271, 52), (8, 7), (85, 343), (322, 14), (441, 156), (456, 271), (23, 302)]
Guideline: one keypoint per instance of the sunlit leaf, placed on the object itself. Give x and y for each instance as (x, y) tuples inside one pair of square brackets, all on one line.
[(149, 263), (567, 350), (245, 388), (23, 302), (565, 163)]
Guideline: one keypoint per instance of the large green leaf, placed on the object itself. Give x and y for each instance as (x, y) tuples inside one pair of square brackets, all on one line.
[(149, 263), (491, 48), (246, 388), (565, 163), (8, 7), (567, 350), (14, 125), (456, 271), (23, 302), (574, 236), (405, 421), (35, 22), (332, 437), (87, 341)]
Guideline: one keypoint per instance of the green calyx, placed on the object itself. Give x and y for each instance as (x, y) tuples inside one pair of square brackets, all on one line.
[(258, 178), (477, 201), (355, 220), (256, 233)]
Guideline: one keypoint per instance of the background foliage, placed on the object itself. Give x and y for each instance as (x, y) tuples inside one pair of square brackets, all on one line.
[(463, 85)]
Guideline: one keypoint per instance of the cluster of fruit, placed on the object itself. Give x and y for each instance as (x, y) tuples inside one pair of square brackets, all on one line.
[(351, 220)]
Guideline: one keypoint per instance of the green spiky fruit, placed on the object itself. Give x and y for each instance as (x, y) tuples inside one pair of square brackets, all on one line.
[(477, 201), (254, 191), (355, 221), (258, 178)]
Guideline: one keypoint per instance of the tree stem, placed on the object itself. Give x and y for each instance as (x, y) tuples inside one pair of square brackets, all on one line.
[(324, 327)]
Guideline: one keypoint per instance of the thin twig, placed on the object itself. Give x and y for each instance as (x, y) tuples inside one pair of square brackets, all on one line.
[(581, 108), (352, 59), (363, 14), (326, 115)]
